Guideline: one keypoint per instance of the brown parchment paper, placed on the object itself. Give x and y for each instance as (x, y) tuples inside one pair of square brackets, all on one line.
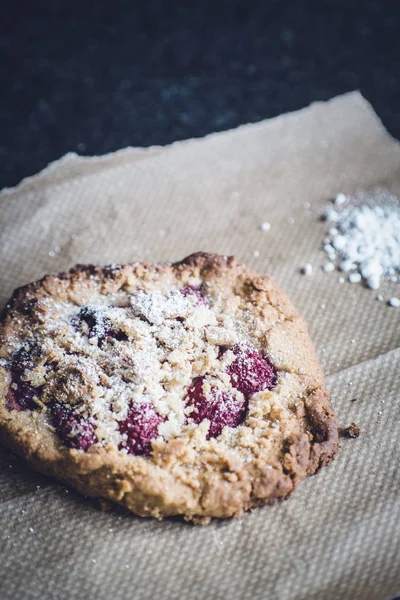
[(338, 537)]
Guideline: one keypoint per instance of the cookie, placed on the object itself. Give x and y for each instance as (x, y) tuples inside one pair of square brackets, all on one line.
[(172, 389)]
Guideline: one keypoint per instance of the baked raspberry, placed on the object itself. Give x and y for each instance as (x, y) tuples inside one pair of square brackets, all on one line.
[(21, 393), (74, 430), (140, 428), (222, 409), (98, 326), (250, 372), (196, 292)]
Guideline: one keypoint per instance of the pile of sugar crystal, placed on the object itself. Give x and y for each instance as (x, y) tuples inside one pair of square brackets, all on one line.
[(364, 237)]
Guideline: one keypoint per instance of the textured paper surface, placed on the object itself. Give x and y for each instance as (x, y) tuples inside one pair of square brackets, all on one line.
[(338, 537)]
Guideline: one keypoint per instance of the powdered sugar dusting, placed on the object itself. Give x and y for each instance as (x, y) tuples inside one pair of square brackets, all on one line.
[(156, 307), (116, 372)]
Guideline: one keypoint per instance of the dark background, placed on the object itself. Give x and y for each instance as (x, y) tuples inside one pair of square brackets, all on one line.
[(92, 77)]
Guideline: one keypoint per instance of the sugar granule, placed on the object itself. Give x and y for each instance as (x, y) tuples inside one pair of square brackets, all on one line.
[(340, 199), (306, 269), (328, 267), (364, 237), (354, 278), (395, 302)]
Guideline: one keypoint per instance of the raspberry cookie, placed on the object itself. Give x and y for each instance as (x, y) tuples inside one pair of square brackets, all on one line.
[(186, 389)]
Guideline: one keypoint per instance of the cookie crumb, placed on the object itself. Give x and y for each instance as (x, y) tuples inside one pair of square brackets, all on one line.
[(352, 431)]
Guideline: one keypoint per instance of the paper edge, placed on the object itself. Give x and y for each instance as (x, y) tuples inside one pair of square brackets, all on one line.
[(77, 160), (140, 153)]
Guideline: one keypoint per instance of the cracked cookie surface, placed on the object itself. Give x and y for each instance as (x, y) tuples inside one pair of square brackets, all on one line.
[(190, 388)]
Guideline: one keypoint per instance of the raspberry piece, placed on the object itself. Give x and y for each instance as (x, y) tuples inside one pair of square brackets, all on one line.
[(21, 393), (222, 409), (250, 372), (140, 428), (195, 291), (98, 326), (88, 315), (73, 429)]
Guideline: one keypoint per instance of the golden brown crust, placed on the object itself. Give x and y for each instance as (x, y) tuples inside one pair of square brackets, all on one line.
[(290, 432)]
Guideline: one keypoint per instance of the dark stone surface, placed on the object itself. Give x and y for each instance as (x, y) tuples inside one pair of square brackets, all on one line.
[(94, 77)]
